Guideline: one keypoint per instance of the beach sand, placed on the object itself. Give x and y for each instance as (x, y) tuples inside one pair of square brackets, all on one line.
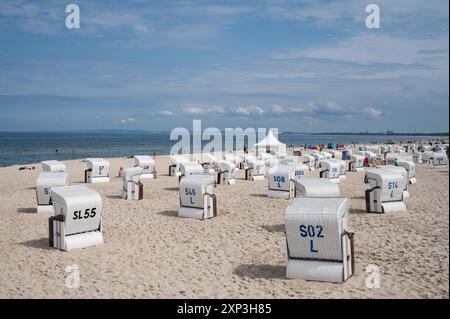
[(149, 252)]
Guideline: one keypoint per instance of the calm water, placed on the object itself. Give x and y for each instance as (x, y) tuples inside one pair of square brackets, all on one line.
[(27, 148)]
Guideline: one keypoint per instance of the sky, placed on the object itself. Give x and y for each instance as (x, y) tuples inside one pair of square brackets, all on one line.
[(307, 66)]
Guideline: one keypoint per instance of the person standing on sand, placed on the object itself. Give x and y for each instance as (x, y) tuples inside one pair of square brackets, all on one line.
[(154, 151)]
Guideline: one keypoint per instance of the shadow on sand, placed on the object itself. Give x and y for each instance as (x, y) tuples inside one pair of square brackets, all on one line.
[(30, 210), (259, 195), (38, 243), (279, 228), (261, 271), (169, 213), (358, 211), (114, 196)]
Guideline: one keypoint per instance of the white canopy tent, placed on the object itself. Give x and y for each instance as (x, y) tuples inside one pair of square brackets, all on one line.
[(270, 144)]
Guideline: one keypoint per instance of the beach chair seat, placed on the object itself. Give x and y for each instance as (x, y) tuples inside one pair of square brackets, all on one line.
[(439, 159), (342, 168), (53, 166), (309, 160), (44, 184), (197, 198), (280, 181), (402, 170), (226, 174), (97, 171), (77, 222), (386, 191), (147, 164), (255, 170), (356, 163), (132, 188), (316, 187), (289, 159), (190, 168), (319, 247), (176, 160), (410, 167), (209, 163), (330, 169)]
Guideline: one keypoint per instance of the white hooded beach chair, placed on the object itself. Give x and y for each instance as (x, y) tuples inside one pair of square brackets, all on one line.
[(427, 157), (97, 171), (401, 170), (280, 181), (392, 158), (226, 173), (308, 159), (197, 198), (289, 159), (316, 187), (53, 166), (319, 247), (255, 170), (410, 167), (44, 184), (147, 164), (176, 160), (317, 158), (336, 154), (356, 163), (301, 170), (386, 191), (190, 168), (78, 218), (439, 160), (330, 169), (342, 168), (209, 163), (233, 158), (244, 159), (132, 188), (327, 155)]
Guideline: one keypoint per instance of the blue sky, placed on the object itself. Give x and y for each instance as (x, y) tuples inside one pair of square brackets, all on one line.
[(308, 66)]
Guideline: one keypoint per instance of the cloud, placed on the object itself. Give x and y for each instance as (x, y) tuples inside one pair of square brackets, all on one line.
[(128, 120), (277, 109), (248, 110), (202, 110), (369, 48), (166, 113), (194, 110), (374, 113)]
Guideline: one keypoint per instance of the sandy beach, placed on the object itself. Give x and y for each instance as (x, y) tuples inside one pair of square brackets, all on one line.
[(149, 252)]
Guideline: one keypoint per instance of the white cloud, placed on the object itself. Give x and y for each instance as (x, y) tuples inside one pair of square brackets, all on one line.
[(375, 48), (277, 109), (128, 120), (248, 110), (202, 110), (295, 109), (166, 113), (194, 110), (374, 113)]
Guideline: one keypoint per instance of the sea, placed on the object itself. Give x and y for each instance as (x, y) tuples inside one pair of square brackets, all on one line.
[(20, 148)]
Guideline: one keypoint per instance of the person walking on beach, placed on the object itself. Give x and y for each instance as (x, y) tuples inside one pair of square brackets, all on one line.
[(154, 151)]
